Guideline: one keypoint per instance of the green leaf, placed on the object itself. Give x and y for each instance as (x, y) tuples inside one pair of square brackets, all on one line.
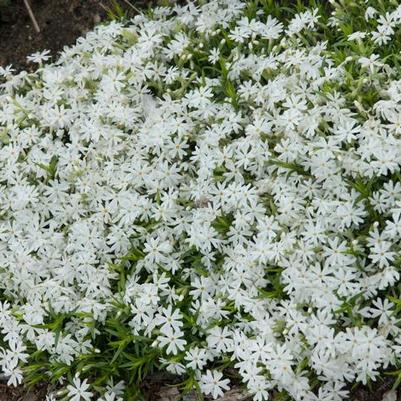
[(51, 169)]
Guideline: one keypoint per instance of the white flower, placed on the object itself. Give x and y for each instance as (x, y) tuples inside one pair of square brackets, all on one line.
[(214, 56), (371, 62), (356, 36), (14, 376), (169, 320), (173, 339), (219, 339), (370, 13), (78, 390), (196, 358), (39, 57), (212, 383)]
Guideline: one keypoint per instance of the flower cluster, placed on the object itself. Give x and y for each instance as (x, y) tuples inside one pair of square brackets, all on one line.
[(209, 186)]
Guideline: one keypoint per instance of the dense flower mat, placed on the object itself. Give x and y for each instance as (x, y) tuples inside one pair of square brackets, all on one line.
[(209, 186)]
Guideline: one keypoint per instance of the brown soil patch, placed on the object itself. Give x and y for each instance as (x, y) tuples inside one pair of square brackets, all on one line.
[(61, 22), (21, 394)]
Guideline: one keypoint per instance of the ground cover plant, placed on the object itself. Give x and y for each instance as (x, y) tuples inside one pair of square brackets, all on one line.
[(208, 186)]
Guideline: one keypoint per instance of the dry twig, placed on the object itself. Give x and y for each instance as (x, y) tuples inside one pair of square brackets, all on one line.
[(32, 16)]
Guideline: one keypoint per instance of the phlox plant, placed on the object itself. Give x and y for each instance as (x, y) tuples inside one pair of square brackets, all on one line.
[(209, 190)]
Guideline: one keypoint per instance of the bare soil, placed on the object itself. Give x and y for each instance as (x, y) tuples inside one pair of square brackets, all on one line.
[(21, 394), (61, 22)]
